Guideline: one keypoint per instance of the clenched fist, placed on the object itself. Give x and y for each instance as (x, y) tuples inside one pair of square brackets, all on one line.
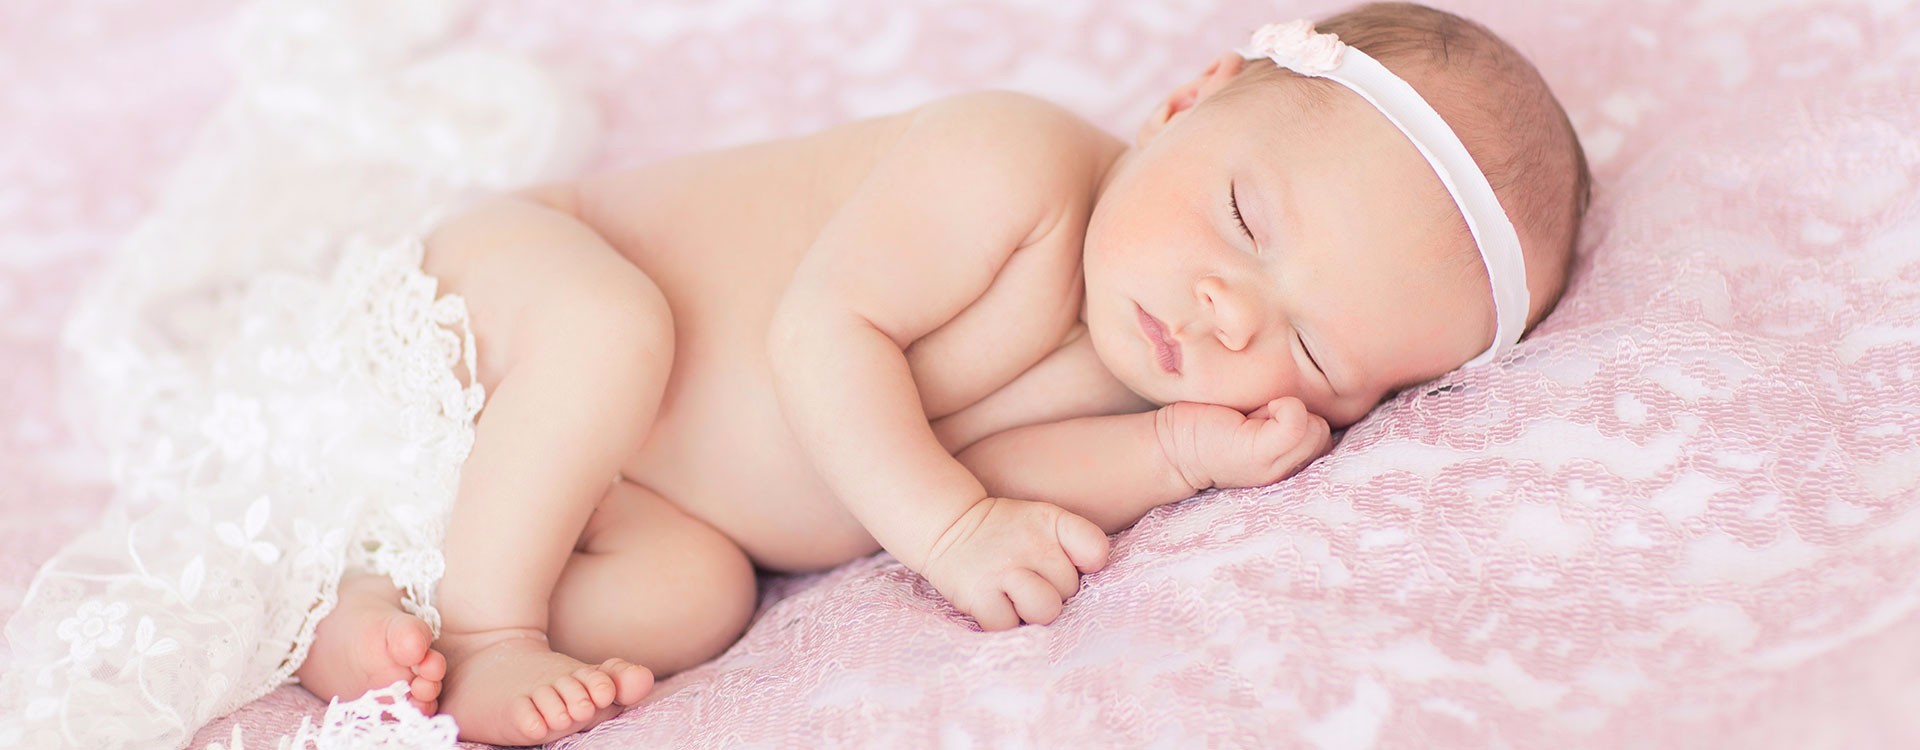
[(1216, 446), (1010, 561)]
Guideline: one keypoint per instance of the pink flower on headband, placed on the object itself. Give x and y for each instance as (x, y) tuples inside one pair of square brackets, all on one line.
[(1296, 46)]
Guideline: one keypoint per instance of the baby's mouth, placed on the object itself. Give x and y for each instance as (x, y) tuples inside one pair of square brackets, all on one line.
[(1165, 349)]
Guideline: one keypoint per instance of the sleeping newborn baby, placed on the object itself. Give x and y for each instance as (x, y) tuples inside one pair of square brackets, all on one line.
[(979, 335)]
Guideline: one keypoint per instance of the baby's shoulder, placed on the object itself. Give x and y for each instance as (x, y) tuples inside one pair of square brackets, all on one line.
[(1015, 131), (1006, 110)]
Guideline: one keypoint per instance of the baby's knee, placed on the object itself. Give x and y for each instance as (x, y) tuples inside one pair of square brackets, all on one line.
[(653, 585), (721, 593)]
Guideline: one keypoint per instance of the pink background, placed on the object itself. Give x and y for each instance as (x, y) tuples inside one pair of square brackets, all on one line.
[(1688, 514)]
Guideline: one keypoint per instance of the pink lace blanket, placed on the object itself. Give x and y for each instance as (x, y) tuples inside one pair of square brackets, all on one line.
[(1687, 514)]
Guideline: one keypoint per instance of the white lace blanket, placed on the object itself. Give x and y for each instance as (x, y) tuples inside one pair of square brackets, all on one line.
[(270, 377), (1687, 515)]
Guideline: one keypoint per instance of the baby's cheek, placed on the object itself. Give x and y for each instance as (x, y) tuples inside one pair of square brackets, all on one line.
[(1343, 412), (1276, 380)]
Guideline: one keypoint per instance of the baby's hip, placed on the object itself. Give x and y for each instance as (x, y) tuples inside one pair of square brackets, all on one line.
[(528, 272)]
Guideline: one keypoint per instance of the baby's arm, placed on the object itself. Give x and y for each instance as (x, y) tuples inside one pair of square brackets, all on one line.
[(966, 186), (1113, 469)]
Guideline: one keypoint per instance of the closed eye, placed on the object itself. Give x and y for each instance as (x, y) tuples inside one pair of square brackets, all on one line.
[(1233, 199), (1310, 358)]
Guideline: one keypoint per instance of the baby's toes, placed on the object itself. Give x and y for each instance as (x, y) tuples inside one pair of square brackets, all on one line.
[(388, 677), (631, 681), (407, 639), (553, 707), (526, 714), (599, 685), (433, 667), (579, 704), (423, 689)]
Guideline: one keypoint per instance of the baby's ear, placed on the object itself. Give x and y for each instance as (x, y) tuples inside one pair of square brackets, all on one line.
[(1193, 92)]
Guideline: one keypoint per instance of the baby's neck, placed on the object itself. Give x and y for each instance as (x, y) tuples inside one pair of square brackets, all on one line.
[(1118, 154)]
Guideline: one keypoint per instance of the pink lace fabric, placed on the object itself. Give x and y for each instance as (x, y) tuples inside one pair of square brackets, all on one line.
[(1686, 511)]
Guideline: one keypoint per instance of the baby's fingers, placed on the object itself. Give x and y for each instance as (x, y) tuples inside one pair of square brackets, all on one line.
[(993, 611), (1314, 442), (1060, 572), (1034, 599), (1085, 543), (1288, 425), (1277, 406)]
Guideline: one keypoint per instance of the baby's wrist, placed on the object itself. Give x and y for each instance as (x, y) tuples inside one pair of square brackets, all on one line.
[(1182, 429), (949, 534)]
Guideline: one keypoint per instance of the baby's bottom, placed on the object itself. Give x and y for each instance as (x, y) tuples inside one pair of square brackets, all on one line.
[(552, 565)]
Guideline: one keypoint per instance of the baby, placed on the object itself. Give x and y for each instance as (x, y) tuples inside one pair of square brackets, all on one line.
[(979, 335)]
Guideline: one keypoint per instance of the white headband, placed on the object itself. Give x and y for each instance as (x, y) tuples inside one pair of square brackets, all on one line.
[(1296, 47)]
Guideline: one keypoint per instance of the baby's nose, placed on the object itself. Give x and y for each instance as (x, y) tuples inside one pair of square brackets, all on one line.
[(1234, 315)]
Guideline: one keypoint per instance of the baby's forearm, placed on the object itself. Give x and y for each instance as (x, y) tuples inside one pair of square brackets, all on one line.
[(849, 396), (1110, 470)]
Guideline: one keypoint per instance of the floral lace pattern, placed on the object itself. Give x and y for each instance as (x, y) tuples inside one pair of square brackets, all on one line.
[(380, 719), (1681, 514), (306, 460), (276, 394)]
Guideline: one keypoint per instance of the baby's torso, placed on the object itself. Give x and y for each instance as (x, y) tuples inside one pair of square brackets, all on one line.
[(721, 233)]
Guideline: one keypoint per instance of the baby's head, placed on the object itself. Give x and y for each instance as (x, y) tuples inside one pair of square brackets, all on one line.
[(1360, 276)]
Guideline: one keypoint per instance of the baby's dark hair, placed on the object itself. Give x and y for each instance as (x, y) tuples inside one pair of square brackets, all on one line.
[(1498, 105)]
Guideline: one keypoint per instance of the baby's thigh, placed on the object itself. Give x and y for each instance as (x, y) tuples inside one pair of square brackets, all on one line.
[(532, 275), (651, 584)]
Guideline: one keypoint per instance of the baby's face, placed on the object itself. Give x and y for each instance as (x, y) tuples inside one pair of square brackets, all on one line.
[(1350, 287)]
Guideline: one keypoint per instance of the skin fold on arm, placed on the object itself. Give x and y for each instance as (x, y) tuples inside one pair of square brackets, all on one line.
[(1113, 469), (895, 263)]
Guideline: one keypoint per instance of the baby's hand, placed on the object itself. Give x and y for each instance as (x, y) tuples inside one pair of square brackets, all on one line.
[(1220, 447), (1011, 561)]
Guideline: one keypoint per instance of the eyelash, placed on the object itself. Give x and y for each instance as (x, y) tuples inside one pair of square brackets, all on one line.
[(1303, 347), (1233, 200)]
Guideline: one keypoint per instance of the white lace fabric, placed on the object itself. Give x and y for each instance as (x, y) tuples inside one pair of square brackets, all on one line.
[(272, 377), (380, 719)]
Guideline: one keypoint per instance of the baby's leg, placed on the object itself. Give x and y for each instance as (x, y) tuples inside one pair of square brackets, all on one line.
[(584, 341), (652, 585)]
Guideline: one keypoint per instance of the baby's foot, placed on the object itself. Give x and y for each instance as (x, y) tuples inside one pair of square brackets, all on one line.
[(509, 688), (368, 642)]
